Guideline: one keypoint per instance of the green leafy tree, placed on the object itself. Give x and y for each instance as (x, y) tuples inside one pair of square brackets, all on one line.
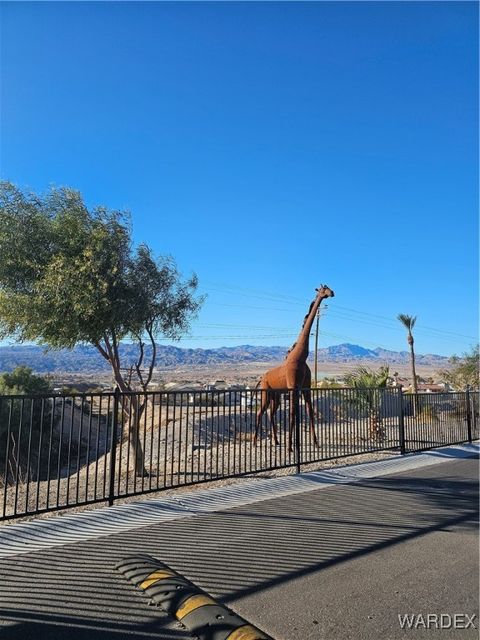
[(367, 384), (464, 370), (23, 381), (70, 275), (22, 422)]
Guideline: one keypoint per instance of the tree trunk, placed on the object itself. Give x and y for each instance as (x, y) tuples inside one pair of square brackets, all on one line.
[(414, 376), (134, 439), (375, 419), (376, 426), (130, 404)]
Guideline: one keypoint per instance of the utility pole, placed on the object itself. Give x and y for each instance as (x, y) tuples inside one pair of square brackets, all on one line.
[(316, 344)]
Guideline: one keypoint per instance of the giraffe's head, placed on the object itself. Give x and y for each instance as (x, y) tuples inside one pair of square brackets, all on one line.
[(324, 291)]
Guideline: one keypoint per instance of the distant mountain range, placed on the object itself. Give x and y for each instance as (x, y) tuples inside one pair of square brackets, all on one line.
[(86, 359)]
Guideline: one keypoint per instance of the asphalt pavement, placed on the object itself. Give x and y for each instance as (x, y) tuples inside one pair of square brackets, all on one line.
[(339, 562)]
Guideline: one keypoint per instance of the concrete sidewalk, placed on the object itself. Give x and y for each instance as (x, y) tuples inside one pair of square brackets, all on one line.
[(337, 562), (66, 528)]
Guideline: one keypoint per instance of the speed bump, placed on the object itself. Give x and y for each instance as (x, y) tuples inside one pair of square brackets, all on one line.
[(199, 612)]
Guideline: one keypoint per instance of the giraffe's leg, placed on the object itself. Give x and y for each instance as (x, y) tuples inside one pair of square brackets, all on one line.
[(293, 416), (274, 402), (307, 396), (260, 412)]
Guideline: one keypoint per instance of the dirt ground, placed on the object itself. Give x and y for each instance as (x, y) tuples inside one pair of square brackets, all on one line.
[(189, 444), (182, 445), (70, 490)]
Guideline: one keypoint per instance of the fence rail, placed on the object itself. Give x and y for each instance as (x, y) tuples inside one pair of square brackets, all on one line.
[(64, 451)]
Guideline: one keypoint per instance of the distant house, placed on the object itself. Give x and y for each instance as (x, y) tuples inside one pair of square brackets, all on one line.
[(437, 387), (182, 386), (427, 387), (171, 386), (153, 386), (218, 384)]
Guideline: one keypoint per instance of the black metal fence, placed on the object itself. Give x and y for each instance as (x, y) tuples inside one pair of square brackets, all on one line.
[(64, 451)]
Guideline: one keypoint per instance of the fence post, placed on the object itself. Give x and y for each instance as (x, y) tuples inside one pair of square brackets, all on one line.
[(474, 397), (296, 399), (401, 422), (113, 446), (469, 414)]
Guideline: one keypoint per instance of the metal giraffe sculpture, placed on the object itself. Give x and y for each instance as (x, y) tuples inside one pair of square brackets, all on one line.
[(294, 374)]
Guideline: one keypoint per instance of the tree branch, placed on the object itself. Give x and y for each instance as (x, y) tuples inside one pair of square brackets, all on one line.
[(115, 347), (115, 365), (154, 354), (138, 364), (102, 350)]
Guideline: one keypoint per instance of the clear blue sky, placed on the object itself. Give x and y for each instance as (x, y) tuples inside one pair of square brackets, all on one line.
[(269, 147)]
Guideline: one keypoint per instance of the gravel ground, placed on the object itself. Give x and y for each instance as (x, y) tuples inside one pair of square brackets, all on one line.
[(326, 464)]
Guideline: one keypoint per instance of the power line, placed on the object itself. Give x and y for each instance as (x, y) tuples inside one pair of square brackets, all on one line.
[(384, 321), (251, 295), (420, 326), (250, 291), (244, 326), (342, 316), (237, 337)]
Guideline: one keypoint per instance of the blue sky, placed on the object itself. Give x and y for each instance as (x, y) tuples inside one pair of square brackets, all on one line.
[(269, 147)]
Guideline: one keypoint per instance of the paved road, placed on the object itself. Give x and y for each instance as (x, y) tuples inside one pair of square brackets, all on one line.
[(336, 563)]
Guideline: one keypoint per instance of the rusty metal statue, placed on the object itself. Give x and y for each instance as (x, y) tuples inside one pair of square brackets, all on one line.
[(294, 374)]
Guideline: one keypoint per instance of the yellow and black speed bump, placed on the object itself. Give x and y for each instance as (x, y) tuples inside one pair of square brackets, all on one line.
[(200, 613)]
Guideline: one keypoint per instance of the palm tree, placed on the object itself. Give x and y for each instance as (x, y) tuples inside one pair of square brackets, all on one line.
[(409, 322), (367, 383), (463, 371)]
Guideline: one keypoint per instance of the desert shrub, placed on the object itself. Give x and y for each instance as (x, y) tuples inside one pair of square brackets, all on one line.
[(25, 424)]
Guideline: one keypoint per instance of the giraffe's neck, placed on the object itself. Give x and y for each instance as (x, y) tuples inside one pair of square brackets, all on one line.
[(299, 351)]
